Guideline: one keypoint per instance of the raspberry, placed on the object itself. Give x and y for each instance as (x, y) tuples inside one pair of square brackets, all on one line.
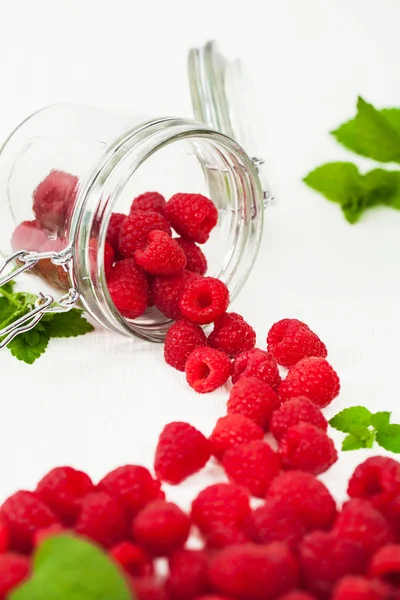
[(14, 568), (377, 479), (297, 595), (108, 255), (307, 448), (53, 199), (28, 236), (149, 201), (133, 559), (207, 369), (133, 486), (293, 412), (55, 275), (192, 216), (4, 538), (253, 399), (182, 338), (232, 334), (313, 378), (353, 587), (114, 226), (181, 451), (274, 522), (385, 564), (167, 292), (256, 363), (290, 340), (253, 465), (62, 489), (102, 519), (212, 597), (220, 504), (135, 229), (204, 300), (305, 494), (161, 527), (161, 256), (128, 288), (24, 514), (231, 430), (325, 558), (195, 259), (251, 572), (360, 522), (187, 574), (148, 588), (225, 535)]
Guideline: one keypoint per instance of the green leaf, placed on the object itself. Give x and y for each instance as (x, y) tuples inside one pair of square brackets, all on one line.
[(29, 346), (337, 181), (68, 324), (7, 310), (372, 133), (352, 442), (69, 568), (352, 419), (380, 420), (8, 287), (389, 438)]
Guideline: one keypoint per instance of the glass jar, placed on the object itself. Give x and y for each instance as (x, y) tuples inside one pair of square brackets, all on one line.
[(108, 158)]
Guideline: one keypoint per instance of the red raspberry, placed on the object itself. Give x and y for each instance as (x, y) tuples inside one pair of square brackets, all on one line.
[(4, 538), (353, 587), (325, 558), (133, 559), (377, 479), (232, 334), (313, 378), (149, 201), (212, 597), (204, 300), (161, 527), (53, 199), (62, 489), (135, 229), (251, 572), (28, 236), (256, 363), (291, 340), (231, 430), (24, 514), (128, 288), (274, 522), (253, 399), (182, 338), (167, 292), (220, 504), (293, 412), (161, 256), (55, 275), (253, 465), (133, 486), (305, 494), (192, 216), (195, 259), (307, 448), (148, 588), (114, 226), (297, 595), (225, 535), (102, 519), (108, 256), (14, 568), (385, 564), (187, 574), (181, 451), (207, 369), (360, 522)]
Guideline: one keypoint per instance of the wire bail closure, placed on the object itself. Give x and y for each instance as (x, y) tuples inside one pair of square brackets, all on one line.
[(44, 302)]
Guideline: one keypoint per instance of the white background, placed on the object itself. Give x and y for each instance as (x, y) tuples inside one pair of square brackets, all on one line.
[(101, 400)]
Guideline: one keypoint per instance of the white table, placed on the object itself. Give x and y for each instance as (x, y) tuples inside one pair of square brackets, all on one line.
[(94, 402)]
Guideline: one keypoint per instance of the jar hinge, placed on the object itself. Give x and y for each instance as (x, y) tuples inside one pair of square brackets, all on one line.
[(44, 302)]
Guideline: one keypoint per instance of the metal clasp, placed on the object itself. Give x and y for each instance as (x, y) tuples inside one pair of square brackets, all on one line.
[(44, 302), (267, 196)]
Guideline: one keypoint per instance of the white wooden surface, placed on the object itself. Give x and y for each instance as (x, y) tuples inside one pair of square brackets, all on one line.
[(101, 400)]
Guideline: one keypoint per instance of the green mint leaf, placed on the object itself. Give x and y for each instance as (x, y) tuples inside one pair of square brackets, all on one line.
[(7, 310), (337, 181), (352, 419), (380, 420), (389, 438), (25, 299), (69, 568), (351, 442), (372, 133), (29, 346), (8, 287), (68, 324)]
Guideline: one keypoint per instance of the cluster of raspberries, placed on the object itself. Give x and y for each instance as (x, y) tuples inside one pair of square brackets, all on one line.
[(296, 545)]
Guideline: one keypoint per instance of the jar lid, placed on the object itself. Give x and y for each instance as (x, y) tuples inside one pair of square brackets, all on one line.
[(222, 98)]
